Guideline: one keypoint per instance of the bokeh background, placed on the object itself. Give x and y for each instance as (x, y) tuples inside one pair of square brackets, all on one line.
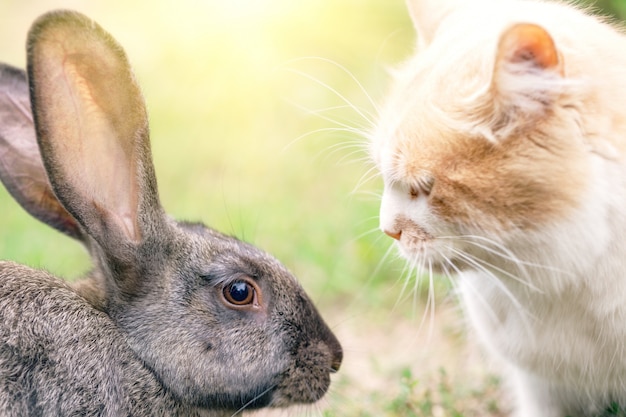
[(258, 110)]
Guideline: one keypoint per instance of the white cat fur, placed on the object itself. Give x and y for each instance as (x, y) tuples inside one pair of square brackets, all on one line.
[(525, 195)]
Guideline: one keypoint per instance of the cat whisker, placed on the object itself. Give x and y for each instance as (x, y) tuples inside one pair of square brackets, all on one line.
[(480, 265), (416, 273), (363, 160), (369, 219), (354, 146), (383, 260), (419, 273), (430, 300), (375, 196), (411, 275), (451, 275), (340, 119), (314, 132), (347, 72), (370, 231), (524, 282), (368, 176), (349, 144), (411, 281), (508, 254), (452, 272), (479, 296), (448, 274), (521, 309), (363, 113), (367, 233), (504, 254), (519, 264), (360, 131), (405, 278), (348, 158)]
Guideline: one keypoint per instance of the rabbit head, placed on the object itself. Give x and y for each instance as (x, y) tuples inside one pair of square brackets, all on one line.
[(220, 323)]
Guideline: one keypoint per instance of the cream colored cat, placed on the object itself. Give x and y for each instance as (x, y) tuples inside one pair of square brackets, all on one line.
[(503, 152)]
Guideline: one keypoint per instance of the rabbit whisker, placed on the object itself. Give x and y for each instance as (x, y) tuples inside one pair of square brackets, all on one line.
[(261, 394)]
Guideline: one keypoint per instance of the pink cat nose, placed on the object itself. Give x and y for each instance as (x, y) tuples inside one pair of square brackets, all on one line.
[(395, 235)]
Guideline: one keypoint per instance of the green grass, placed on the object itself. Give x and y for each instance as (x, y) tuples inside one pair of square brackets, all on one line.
[(614, 410), (439, 396), (240, 95)]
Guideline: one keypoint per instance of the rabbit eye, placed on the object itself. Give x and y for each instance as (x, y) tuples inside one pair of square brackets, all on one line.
[(239, 293)]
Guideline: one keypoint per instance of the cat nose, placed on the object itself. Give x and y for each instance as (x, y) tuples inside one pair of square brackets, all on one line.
[(395, 235)]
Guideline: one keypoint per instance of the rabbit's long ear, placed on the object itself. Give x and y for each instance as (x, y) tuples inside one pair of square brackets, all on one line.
[(21, 167), (92, 129)]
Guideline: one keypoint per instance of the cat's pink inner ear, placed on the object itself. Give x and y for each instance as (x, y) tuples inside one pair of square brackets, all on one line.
[(529, 43)]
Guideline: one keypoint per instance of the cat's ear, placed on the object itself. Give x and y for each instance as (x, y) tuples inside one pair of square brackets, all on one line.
[(528, 74), (529, 45), (427, 15)]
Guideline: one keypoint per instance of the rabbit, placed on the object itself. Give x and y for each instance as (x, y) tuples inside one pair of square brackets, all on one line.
[(175, 318)]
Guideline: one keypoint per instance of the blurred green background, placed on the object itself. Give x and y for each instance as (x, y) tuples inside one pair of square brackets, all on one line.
[(257, 110), (232, 89)]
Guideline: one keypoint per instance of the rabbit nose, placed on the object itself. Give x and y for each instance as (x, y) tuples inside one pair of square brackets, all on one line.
[(335, 352), (395, 235), (337, 358)]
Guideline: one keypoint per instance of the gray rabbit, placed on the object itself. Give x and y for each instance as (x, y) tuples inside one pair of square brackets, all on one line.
[(176, 319)]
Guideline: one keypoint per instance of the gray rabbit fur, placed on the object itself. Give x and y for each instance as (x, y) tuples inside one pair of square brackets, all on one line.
[(175, 319)]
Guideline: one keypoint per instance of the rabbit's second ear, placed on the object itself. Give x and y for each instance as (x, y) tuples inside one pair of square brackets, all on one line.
[(92, 127), (21, 167)]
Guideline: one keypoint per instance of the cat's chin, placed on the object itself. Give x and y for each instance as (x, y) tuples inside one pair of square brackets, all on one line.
[(427, 260)]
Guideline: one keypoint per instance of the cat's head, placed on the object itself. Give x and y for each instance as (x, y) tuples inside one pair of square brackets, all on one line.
[(487, 132)]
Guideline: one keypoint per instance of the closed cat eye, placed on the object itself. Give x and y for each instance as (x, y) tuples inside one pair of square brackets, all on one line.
[(424, 187)]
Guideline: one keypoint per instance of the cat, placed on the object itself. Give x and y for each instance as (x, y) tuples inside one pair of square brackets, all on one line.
[(502, 148)]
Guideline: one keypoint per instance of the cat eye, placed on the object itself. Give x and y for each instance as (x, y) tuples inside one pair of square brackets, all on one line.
[(423, 187), (426, 184)]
